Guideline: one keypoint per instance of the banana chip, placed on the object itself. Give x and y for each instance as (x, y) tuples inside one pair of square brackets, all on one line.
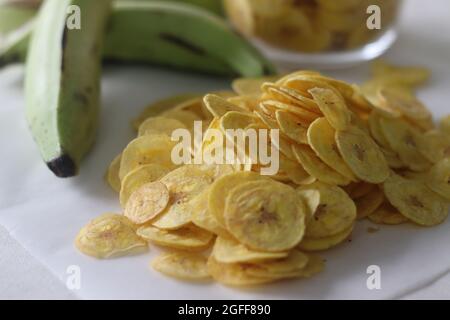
[(387, 214), (228, 250), (190, 237), (362, 155), (317, 168), (160, 125), (182, 265), (112, 175), (250, 86), (325, 243), (147, 202), (321, 138), (145, 150), (404, 102), (138, 177), (439, 178), (415, 201), (292, 126), (110, 235), (369, 203), (274, 218), (434, 145), (219, 106), (289, 96), (336, 211)]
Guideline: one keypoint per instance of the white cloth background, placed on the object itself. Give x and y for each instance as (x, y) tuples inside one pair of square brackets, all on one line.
[(40, 215)]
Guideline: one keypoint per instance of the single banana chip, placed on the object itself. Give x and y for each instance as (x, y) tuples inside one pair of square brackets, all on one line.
[(160, 106), (288, 267), (219, 106), (109, 235), (182, 265), (405, 140), (222, 186), (292, 126), (145, 150), (289, 96), (160, 125), (362, 155), (202, 216), (333, 107), (250, 86), (236, 120), (415, 201), (376, 132), (147, 202), (336, 211), (387, 214), (325, 243), (284, 146), (301, 113), (294, 172), (138, 177), (112, 174), (229, 250), (233, 274), (265, 215), (404, 102), (184, 184), (439, 178), (434, 145), (246, 103), (369, 203), (316, 167), (370, 91), (321, 138), (190, 237)]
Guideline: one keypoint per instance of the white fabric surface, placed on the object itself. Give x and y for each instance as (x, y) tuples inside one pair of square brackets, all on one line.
[(44, 213)]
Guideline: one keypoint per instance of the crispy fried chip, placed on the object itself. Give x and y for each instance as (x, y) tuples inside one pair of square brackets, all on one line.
[(182, 265), (333, 107), (434, 145), (415, 201), (292, 126), (138, 177), (219, 106), (144, 150), (228, 250), (112, 174), (387, 214), (250, 86), (109, 235), (321, 138), (325, 243), (369, 203), (335, 213), (404, 102), (160, 125), (147, 202), (265, 215), (362, 155), (316, 167), (190, 237), (439, 178)]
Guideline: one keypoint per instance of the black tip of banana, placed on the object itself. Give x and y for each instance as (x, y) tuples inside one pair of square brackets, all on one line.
[(63, 166)]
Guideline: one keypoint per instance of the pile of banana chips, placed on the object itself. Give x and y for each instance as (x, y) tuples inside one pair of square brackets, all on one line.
[(345, 153)]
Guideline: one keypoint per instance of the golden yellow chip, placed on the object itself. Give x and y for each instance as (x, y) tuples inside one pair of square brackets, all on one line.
[(233, 274), (284, 146), (112, 175), (222, 186), (376, 132), (109, 235), (247, 103), (333, 107), (405, 140), (292, 126), (434, 145), (311, 199), (362, 155), (184, 184), (370, 91), (190, 237), (325, 243), (369, 203), (147, 202), (321, 138), (415, 201), (294, 172), (404, 102), (265, 215), (316, 167), (250, 86), (160, 106), (289, 96), (387, 214), (439, 178), (202, 216), (288, 267), (145, 150), (182, 265), (304, 114), (229, 250), (219, 106), (138, 177), (160, 125), (335, 213), (236, 120)]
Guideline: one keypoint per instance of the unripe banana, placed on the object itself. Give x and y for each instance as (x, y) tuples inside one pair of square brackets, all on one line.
[(63, 82)]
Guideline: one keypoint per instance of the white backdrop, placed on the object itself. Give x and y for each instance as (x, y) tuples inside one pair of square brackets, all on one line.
[(40, 215)]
